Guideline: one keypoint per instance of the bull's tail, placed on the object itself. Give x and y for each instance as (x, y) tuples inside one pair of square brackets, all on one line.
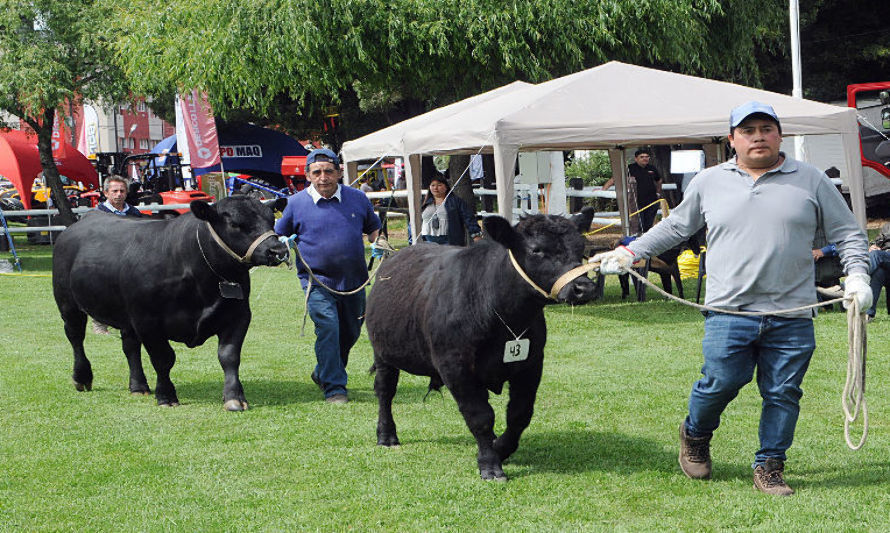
[(435, 385)]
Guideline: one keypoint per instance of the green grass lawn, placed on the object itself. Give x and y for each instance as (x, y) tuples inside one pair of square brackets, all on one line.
[(600, 454)]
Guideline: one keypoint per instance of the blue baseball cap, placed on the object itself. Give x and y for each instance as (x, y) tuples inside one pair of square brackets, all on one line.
[(742, 112), (322, 155)]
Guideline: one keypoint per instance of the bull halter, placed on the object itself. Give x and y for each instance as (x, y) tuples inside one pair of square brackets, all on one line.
[(248, 254), (563, 280)]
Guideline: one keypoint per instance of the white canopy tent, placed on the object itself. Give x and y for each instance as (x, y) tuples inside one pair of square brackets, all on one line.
[(611, 106)]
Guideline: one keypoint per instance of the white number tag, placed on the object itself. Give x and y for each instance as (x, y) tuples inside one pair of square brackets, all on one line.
[(516, 350)]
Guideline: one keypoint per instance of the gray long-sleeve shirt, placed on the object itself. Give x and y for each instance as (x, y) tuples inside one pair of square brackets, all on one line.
[(761, 234)]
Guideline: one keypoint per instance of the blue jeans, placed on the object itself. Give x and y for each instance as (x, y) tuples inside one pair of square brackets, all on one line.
[(338, 323), (733, 346), (438, 239)]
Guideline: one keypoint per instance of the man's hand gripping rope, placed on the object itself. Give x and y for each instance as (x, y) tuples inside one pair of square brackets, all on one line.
[(379, 248)]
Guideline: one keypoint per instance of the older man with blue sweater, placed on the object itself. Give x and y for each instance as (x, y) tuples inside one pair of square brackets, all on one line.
[(328, 221)]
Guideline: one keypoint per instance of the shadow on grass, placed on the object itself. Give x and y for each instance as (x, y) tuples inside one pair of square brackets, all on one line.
[(574, 452), (35, 259), (583, 450), (271, 393), (839, 476)]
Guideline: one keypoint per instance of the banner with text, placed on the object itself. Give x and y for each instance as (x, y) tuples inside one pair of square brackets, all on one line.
[(200, 130), (59, 137), (88, 140)]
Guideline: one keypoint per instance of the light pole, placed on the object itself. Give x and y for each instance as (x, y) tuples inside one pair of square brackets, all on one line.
[(796, 83)]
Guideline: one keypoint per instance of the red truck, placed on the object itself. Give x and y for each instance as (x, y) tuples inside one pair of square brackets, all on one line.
[(872, 101)]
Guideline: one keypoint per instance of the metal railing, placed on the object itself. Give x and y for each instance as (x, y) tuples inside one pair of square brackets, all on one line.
[(49, 213)]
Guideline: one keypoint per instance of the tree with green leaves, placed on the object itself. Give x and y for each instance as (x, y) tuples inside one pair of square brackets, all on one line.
[(841, 42), (50, 55), (375, 62)]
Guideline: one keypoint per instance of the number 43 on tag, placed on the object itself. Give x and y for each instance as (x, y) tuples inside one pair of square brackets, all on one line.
[(515, 351)]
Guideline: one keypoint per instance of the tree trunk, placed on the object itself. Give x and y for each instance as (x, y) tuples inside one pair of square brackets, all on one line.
[(463, 187), (427, 170), (51, 176)]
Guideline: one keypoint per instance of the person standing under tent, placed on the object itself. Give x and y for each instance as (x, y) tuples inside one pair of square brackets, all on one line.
[(648, 186), (445, 218)]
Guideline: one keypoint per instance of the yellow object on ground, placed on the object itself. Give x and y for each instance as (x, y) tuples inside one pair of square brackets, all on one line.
[(688, 264)]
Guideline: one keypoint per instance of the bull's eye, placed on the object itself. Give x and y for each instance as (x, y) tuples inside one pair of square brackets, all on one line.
[(538, 251)]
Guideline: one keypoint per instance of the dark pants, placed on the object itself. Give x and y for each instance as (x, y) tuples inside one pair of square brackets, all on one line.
[(338, 323), (879, 269), (647, 217), (438, 239)]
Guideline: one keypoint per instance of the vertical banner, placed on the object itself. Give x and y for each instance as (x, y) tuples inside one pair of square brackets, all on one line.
[(88, 140), (59, 137), (200, 130), (181, 144)]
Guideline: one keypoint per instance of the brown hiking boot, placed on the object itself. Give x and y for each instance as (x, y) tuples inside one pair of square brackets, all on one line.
[(695, 455), (768, 478)]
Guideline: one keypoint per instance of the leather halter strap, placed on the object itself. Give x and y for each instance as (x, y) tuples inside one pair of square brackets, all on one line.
[(563, 280), (248, 254)]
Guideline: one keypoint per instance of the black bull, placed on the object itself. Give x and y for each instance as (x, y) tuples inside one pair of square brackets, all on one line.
[(163, 280), (448, 313)]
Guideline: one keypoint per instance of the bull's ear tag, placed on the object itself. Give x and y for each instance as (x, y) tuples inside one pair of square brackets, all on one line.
[(230, 290), (516, 350)]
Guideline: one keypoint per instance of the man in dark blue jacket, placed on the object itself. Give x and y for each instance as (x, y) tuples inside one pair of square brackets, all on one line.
[(116, 198), (328, 221)]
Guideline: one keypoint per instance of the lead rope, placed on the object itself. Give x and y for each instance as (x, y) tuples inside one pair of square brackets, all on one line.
[(854, 387), (387, 249)]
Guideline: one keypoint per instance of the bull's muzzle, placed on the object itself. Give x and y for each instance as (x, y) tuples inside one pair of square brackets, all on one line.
[(579, 291)]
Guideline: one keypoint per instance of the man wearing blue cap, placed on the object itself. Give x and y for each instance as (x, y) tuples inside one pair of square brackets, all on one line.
[(762, 210), (327, 222)]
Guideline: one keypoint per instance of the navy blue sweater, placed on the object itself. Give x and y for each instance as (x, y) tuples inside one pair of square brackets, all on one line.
[(329, 236)]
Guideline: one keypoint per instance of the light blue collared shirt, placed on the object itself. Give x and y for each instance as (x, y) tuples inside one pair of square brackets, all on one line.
[(115, 210)]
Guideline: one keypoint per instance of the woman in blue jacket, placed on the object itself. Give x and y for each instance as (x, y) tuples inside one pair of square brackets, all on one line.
[(446, 219)]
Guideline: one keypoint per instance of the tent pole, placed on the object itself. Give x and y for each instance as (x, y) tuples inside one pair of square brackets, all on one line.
[(413, 173), (619, 170), (504, 171)]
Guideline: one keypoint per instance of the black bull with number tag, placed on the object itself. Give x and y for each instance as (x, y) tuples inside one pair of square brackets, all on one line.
[(163, 280), (454, 314)]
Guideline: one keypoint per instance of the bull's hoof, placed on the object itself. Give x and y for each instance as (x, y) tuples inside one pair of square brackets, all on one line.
[(168, 403), (493, 474), (389, 442), (80, 387), (139, 389), (235, 405)]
